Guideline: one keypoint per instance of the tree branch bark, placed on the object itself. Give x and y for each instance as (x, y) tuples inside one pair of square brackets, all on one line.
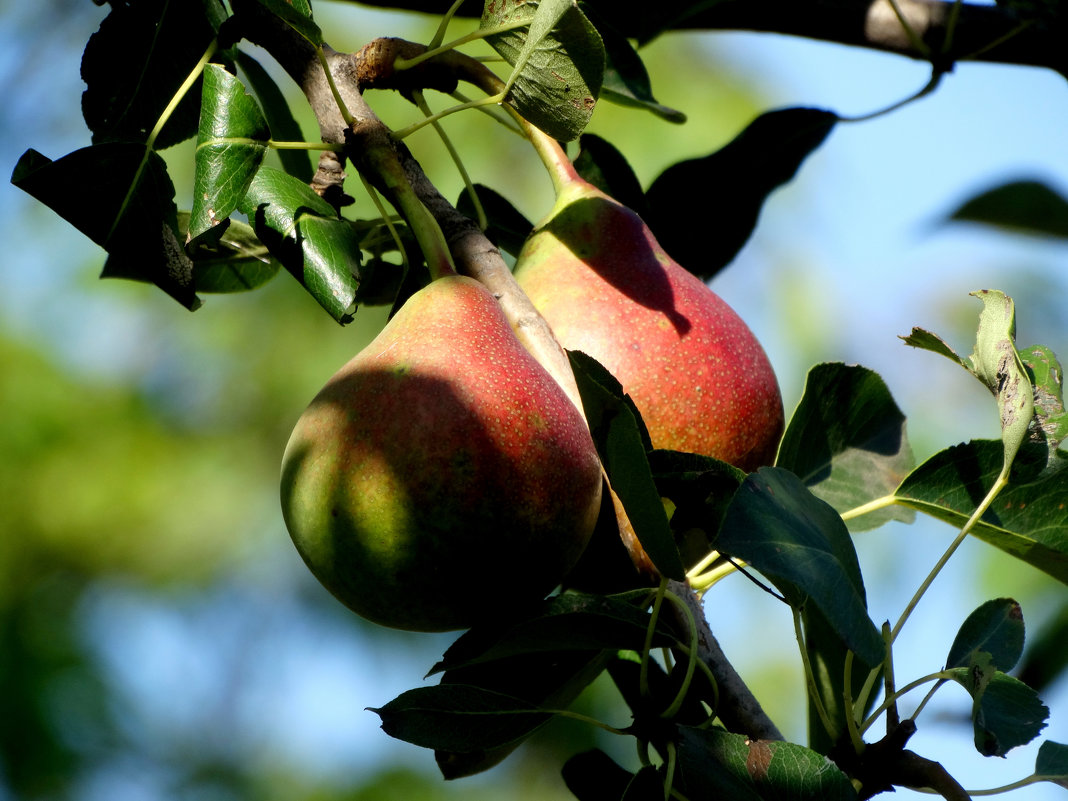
[(982, 33)]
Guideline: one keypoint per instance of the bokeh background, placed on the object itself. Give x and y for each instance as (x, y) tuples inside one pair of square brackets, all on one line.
[(159, 638)]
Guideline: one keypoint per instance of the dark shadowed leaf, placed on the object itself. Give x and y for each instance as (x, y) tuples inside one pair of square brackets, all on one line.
[(1026, 207), (135, 64), (801, 544), (562, 60), (846, 441), (298, 16), (231, 144), (1006, 712), (279, 116), (997, 628), (702, 211), (622, 442), (508, 228), (305, 234), (1029, 519), (1052, 763), (626, 81), (700, 488), (458, 717), (544, 680), (572, 621), (716, 764), (594, 776), (130, 211), (600, 163)]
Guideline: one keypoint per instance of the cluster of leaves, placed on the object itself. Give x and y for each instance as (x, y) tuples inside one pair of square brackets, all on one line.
[(844, 464)]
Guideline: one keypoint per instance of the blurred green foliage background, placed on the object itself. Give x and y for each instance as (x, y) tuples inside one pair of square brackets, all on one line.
[(159, 638)]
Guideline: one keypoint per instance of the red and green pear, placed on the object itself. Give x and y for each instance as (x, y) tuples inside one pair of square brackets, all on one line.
[(696, 372), (442, 476)]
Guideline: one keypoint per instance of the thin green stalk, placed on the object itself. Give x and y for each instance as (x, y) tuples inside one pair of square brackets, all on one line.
[(346, 115), (647, 646), (888, 702), (917, 43), (847, 704), (420, 101), (869, 507), (691, 660), (387, 219), (810, 678), (669, 769), (438, 48), (999, 485), (701, 566), (485, 101), (439, 35), (930, 86)]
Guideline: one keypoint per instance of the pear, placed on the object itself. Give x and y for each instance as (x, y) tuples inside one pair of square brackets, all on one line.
[(441, 477), (694, 369)]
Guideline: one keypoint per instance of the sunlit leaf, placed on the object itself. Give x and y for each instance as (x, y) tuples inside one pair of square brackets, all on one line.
[(235, 261), (846, 441), (801, 544), (305, 234), (231, 144), (562, 62), (1029, 519), (716, 764), (279, 116)]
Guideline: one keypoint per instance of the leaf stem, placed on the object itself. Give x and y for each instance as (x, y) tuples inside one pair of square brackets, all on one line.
[(691, 659), (999, 485), (346, 115), (869, 507), (647, 646), (810, 679)]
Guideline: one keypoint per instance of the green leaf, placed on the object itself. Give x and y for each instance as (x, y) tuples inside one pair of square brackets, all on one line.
[(716, 764), (997, 364), (280, 120), (801, 544), (560, 57), (996, 628), (545, 680), (572, 621), (1052, 763), (1026, 207), (459, 718), (700, 488), (1006, 712), (130, 211), (231, 145), (626, 81), (135, 63), (508, 228), (235, 261), (622, 443), (1047, 380), (594, 776), (602, 165), (721, 195), (1029, 519), (305, 234), (847, 443)]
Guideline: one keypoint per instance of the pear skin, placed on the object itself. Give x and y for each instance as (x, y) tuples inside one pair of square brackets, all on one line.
[(442, 476), (694, 369)]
